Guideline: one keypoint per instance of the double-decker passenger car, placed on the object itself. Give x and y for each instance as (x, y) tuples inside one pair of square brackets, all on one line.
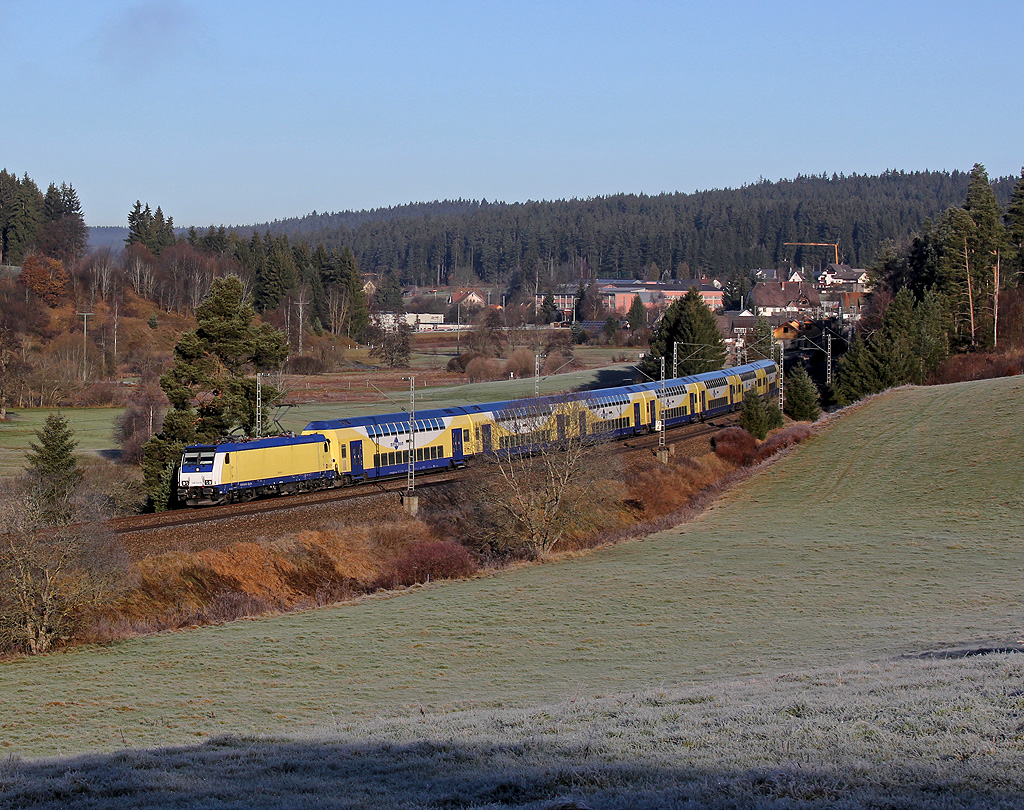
[(336, 452)]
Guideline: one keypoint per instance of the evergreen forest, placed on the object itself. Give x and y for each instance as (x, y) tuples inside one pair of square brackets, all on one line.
[(721, 233)]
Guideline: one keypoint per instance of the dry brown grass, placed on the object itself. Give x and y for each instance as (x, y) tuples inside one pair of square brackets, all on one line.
[(658, 489), (310, 568)]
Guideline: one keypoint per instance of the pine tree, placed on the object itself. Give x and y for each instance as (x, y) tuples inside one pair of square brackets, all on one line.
[(64, 234), (21, 207), (932, 334), (1015, 234), (754, 415), (53, 469), (857, 375), (692, 325), (637, 315), (895, 344), (548, 310), (347, 273), (801, 396), (210, 386), (388, 297)]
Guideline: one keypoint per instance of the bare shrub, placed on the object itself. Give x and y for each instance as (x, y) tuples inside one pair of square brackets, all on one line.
[(782, 440), (482, 369), (520, 363), (660, 489), (110, 490), (977, 366), (458, 364), (141, 419), (306, 365), (395, 537), (52, 578), (427, 560), (103, 394), (735, 445)]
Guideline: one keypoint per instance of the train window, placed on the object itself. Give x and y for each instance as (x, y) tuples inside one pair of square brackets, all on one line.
[(465, 435), (227, 458), (327, 449), (343, 449), (190, 458)]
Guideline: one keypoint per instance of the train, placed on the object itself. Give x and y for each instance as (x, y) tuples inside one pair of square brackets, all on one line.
[(343, 452)]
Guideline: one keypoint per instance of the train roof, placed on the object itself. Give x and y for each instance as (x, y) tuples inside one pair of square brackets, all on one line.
[(396, 418), (509, 404), (256, 444)]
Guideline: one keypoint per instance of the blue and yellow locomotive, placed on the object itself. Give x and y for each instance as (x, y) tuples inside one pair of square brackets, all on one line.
[(341, 452)]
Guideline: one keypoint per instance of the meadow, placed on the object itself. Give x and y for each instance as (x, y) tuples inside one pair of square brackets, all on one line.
[(895, 530)]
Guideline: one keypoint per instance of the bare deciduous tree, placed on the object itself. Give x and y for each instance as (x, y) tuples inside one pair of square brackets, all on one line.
[(51, 577), (548, 473)]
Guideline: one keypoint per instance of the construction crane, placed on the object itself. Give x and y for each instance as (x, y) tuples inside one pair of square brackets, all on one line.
[(834, 245)]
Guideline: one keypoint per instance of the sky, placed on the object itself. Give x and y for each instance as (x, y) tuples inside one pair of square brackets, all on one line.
[(242, 112)]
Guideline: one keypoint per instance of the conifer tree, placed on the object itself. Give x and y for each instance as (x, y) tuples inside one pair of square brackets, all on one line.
[(692, 325), (21, 216), (345, 275), (388, 297), (857, 375), (637, 315), (53, 469), (548, 310), (64, 234), (754, 415), (210, 386), (1015, 234), (801, 396)]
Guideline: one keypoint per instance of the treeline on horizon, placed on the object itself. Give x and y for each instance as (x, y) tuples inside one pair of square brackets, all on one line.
[(721, 233)]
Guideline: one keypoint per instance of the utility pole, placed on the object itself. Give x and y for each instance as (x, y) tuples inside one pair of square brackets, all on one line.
[(409, 500), (781, 375), (259, 406), (661, 422), (85, 336), (828, 357)]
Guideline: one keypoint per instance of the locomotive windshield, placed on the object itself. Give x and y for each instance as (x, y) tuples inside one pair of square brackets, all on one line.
[(197, 456)]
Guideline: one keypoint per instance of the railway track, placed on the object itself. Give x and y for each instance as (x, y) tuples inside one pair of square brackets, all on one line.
[(182, 518)]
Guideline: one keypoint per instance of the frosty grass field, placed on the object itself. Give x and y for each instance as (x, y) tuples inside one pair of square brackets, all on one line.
[(752, 658)]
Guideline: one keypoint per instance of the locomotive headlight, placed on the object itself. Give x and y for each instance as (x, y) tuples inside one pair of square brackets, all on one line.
[(208, 482)]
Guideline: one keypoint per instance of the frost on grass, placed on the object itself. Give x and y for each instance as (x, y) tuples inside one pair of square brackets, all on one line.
[(911, 733)]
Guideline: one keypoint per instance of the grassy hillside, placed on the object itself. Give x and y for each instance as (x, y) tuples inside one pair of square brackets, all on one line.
[(896, 530)]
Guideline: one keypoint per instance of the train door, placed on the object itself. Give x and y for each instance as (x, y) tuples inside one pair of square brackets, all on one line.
[(457, 450), (356, 451), (703, 402), (693, 406), (560, 421), (485, 437), (652, 413), (583, 425), (636, 417)]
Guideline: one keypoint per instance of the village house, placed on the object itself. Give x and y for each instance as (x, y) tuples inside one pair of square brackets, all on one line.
[(843, 275), (794, 298), (617, 294), (467, 299)]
